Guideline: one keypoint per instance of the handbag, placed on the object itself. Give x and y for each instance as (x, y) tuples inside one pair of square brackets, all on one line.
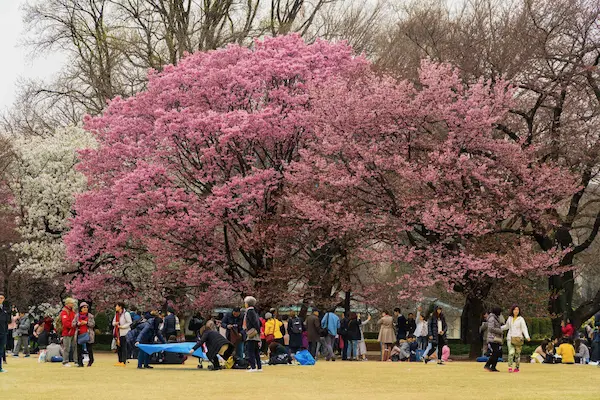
[(252, 332), (83, 338), (234, 336), (270, 338), (517, 341)]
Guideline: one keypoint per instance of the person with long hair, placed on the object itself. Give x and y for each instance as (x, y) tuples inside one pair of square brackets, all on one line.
[(437, 330), (353, 336), (387, 337), (494, 328), (517, 332)]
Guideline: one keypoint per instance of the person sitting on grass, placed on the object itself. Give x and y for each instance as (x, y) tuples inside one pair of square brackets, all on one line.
[(566, 351), (278, 354), (216, 345), (539, 354), (583, 352)]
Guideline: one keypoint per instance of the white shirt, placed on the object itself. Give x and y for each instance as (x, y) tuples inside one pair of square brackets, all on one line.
[(421, 326), (516, 328)]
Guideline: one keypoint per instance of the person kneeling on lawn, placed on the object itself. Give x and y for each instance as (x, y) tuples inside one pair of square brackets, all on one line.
[(216, 345)]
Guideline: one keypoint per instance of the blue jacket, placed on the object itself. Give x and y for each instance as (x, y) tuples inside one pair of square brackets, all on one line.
[(149, 332), (331, 322)]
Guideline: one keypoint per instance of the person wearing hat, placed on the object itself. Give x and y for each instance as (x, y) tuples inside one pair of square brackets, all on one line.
[(67, 316), (85, 323)]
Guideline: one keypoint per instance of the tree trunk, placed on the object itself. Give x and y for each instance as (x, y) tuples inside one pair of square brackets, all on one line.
[(347, 303), (560, 305), (470, 321)]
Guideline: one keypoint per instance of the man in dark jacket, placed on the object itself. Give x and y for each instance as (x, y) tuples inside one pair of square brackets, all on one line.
[(146, 336), (401, 324), (313, 328), (411, 325), (216, 345), (4, 319), (232, 322), (170, 326)]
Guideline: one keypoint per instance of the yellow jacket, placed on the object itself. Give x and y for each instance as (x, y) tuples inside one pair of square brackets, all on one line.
[(273, 327), (567, 352)]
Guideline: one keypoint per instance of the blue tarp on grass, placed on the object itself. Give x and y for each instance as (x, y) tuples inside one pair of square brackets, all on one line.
[(183, 348)]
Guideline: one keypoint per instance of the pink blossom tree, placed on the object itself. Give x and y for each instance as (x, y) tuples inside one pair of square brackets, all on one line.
[(421, 173), (186, 185)]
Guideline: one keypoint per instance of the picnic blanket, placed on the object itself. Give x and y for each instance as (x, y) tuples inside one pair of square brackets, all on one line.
[(183, 348)]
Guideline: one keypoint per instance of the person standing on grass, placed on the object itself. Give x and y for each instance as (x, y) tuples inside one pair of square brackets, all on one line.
[(295, 329), (4, 320), (23, 325), (232, 321), (331, 322), (85, 323), (494, 328), (353, 336), (386, 335), (362, 345), (421, 331), (67, 316), (437, 330), (251, 325), (170, 325), (484, 333), (517, 332), (313, 328), (150, 331), (121, 327)]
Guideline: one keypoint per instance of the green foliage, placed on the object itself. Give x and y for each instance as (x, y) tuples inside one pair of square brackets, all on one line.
[(539, 328), (103, 322)]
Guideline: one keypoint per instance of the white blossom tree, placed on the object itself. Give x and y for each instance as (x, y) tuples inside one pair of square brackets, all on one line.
[(44, 182)]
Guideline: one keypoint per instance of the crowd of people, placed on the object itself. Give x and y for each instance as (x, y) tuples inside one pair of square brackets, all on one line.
[(239, 338), (572, 347)]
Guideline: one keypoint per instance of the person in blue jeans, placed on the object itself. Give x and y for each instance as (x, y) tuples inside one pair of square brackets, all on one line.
[(331, 322), (4, 319), (146, 336)]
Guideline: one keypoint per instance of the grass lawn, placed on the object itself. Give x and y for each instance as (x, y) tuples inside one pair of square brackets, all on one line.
[(26, 379)]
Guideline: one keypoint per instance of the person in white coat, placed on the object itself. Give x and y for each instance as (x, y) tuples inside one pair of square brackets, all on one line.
[(517, 333), (121, 327)]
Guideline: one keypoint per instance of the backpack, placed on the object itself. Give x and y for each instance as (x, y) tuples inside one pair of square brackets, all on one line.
[(296, 325)]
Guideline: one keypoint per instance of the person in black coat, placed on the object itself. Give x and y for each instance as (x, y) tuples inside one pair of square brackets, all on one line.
[(437, 333), (146, 336), (353, 336), (170, 325), (216, 345), (401, 324), (4, 320), (295, 329), (251, 326)]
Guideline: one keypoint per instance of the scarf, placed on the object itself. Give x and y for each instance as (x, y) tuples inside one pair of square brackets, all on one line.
[(83, 328), (116, 330)]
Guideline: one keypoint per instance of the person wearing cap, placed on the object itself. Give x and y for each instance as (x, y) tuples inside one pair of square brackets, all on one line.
[(67, 316), (85, 323)]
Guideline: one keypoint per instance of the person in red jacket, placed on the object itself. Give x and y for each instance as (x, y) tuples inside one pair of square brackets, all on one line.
[(567, 328), (67, 315)]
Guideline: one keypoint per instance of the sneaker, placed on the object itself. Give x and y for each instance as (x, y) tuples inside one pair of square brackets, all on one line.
[(259, 370), (3, 371), (27, 356), (424, 359), (252, 370), (495, 370), (149, 367), (510, 370), (487, 369), (67, 365), (516, 370), (120, 364), (15, 355)]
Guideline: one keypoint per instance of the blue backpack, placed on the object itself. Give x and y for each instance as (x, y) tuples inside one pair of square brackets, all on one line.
[(305, 358)]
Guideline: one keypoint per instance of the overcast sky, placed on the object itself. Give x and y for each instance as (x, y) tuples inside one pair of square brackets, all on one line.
[(17, 61)]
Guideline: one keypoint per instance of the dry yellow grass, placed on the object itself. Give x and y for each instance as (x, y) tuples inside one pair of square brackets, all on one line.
[(26, 379)]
